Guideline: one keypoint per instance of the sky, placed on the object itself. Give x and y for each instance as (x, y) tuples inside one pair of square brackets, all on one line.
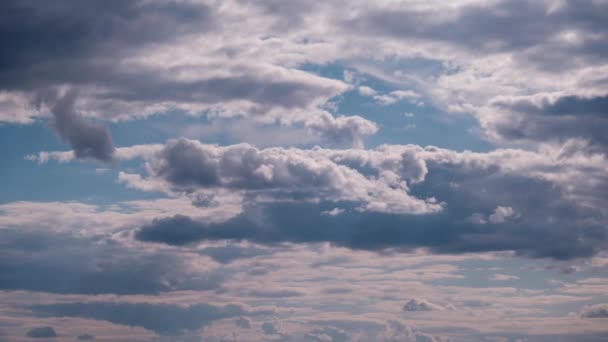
[(281, 170)]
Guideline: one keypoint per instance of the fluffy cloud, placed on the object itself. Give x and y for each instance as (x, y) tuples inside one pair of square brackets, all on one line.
[(190, 165), (524, 194)]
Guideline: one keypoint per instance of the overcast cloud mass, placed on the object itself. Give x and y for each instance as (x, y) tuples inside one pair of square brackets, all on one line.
[(236, 170)]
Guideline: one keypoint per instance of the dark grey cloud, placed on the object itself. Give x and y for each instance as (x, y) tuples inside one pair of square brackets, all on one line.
[(88, 140), (548, 225), (419, 305), (75, 42), (595, 311), (96, 49), (85, 337), (269, 328), (163, 319), (274, 293), (62, 263), (231, 252), (506, 26), (555, 119), (243, 322), (41, 332)]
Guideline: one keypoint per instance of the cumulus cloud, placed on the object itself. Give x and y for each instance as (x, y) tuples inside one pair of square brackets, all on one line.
[(345, 131), (190, 165), (501, 214), (509, 188)]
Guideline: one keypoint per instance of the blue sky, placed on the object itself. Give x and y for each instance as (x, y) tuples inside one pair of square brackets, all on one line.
[(304, 171)]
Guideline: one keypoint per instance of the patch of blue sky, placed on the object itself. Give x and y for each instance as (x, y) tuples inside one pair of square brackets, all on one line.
[(405, 122), (26, 180)]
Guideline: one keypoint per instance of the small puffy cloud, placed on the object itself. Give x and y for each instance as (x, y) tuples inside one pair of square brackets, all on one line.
[(594, 311), (501, 214), (42, 332), (397, 95), (333, 212), (366, 91), (503, 277), (344, 131)]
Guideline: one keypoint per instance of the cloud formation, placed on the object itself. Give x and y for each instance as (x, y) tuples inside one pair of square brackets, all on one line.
[(164, 319), (41, 332), (595, 311)]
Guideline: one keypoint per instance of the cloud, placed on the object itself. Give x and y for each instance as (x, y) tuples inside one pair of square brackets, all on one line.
[(269, 328), (366, 91), (41, 332), (164, 319), (118, 69), (231, 252), (504, 277), (595, 311), (348, 131), (88, 140), (40, 260), (85, 337), (524, 195), (501, 214), (394, 96), (551, 117), (189, 165), (243, 322), (366, 330), (414, 305)]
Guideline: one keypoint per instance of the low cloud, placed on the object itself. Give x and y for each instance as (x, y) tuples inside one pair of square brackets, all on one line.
[(41, 332), (164, 319)]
